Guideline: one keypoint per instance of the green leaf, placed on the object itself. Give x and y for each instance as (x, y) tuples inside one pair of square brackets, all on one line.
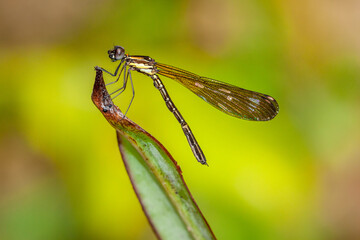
[(154, 174)]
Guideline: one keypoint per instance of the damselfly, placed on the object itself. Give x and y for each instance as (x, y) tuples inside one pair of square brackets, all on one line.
[(235, 101)]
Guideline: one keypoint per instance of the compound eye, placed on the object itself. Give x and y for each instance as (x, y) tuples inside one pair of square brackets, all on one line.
[(119, 52)]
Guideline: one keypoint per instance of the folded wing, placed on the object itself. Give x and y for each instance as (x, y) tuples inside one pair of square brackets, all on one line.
[(235, 101)]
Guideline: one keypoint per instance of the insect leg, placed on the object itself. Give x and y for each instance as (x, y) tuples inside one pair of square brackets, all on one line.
[(124, 84), (118, 76), (133, 91), (115, 73)]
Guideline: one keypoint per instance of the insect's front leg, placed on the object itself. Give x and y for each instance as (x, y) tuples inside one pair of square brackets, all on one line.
[(112, 74), (122, 68)]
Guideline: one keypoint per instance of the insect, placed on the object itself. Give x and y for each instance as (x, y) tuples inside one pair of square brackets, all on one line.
[(235, 101)]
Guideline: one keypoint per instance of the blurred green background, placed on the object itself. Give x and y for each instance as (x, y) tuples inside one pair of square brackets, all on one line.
[(295, 177)]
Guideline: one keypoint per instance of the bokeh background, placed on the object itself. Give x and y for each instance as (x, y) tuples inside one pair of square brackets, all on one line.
[(295, 177)]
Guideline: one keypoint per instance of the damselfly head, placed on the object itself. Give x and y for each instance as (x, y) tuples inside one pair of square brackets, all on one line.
[(117, 53)]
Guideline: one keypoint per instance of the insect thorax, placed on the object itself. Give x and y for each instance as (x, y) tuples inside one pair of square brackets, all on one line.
[(142, 64)]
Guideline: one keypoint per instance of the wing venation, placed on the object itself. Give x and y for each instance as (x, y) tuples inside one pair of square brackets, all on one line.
[(235, 101)]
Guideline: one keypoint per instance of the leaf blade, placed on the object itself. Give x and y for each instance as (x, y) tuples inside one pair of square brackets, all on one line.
[(153, 157)]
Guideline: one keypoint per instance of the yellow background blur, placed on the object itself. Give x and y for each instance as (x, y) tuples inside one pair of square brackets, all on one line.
[(295, 177)]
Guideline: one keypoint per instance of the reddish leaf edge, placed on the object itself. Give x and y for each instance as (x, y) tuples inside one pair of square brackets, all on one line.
[(115, 117)]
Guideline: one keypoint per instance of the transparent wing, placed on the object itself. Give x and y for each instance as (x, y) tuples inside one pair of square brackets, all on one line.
[(235, 101)]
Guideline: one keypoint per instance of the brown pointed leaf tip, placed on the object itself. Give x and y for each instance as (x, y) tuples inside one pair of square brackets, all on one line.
[(115, 117)]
